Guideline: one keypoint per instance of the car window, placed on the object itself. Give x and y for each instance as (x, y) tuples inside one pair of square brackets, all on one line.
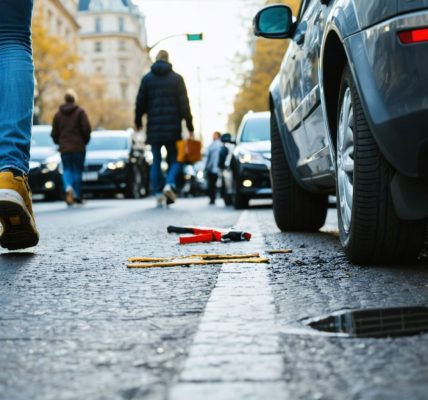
[(256, 130), (108, 143), (42, 139)]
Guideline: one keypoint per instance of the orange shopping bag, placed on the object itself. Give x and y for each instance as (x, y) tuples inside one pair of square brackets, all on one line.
[(189, 151)]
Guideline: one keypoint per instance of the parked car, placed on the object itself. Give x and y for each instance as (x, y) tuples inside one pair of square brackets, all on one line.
[(247, 167), (45, 175), (116, 163), (193, 181), (349, 115)]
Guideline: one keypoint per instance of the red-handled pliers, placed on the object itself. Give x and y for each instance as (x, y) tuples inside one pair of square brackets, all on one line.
[(200, 235)]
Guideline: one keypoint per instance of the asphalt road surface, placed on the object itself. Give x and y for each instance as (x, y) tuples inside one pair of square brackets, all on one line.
[(75, 323)]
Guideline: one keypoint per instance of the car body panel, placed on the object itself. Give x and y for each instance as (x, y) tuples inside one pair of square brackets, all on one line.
[(393, 98), (236, 172), (42, 180), (99, 178)]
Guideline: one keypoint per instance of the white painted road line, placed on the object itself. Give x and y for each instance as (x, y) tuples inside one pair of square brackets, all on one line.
[(235, 354)]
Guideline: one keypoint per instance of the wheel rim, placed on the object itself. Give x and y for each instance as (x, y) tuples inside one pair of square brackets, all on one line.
[(345, 159)]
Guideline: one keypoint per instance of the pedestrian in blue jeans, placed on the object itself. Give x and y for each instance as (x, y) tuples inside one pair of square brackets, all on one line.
[(162, 96), (71, 130), (18, 227)]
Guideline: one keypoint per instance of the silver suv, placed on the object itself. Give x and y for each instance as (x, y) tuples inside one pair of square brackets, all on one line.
[(349, 116)]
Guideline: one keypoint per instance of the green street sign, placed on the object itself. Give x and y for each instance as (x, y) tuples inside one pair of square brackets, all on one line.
[(194, 36)]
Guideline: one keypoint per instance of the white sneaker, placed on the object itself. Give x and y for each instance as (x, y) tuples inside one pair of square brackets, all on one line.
[(169, 193)]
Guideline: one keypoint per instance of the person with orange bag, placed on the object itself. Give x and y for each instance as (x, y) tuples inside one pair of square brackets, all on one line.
[(163, 98)]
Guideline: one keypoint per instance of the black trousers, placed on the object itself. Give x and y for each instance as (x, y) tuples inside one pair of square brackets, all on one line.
[(212, 185)]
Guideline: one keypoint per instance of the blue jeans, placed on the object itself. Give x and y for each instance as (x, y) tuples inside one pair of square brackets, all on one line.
[(73, 164), (157, 179), (16, 85)]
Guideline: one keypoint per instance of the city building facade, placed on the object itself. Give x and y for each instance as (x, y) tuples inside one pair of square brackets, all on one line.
[(60, 19), (113, 44)]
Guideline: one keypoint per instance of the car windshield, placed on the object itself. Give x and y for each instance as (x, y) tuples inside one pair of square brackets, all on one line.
[(42, 138), (108, 143), (256, 130)]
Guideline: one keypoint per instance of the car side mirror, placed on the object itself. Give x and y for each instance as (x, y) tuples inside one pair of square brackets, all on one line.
[(227, 138), (274, 22)]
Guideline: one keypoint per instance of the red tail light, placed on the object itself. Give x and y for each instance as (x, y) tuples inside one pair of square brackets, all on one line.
[(413, 36)]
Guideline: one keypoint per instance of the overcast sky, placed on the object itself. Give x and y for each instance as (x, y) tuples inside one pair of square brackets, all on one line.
[(225, 25)]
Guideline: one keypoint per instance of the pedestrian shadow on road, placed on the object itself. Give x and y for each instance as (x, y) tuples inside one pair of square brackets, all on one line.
[(16, 258)]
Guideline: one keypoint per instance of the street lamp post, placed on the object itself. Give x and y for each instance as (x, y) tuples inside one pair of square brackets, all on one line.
[(191, 37)]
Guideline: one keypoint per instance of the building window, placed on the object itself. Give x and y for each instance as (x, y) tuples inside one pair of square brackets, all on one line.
[(59, 27), (122, 46), (124, 89), (123, 69), (121, 24), (98, 47), (98, 69), (98, 24)]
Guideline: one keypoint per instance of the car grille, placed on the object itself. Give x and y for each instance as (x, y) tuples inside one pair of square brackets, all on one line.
[(93, 168)]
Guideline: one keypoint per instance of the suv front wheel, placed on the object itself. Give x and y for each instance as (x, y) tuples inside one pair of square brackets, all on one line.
[(370, 231)]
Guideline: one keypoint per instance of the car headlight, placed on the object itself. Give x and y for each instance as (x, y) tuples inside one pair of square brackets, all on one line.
[(49, 167), (113, 165), (52, 166), (247, 157), (34, 164)]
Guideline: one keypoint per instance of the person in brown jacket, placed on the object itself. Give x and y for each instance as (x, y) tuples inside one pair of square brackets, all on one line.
[(71, 130)]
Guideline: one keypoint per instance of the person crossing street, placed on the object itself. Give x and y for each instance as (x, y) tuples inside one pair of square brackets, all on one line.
[(162, 96), (212, 168), (71, 130)]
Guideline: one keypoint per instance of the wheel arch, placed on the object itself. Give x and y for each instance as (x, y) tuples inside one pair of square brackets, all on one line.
[(333, 62)]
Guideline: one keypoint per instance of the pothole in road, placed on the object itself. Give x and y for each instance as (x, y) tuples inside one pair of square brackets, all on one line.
[(376, 323)]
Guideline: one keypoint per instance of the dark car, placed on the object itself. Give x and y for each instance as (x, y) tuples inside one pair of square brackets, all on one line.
[(115, 163), (193, 181), (349, 116), (45, 175), (247, 168)]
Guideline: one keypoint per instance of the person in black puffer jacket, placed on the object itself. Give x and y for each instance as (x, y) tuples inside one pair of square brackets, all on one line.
[(163, 97)]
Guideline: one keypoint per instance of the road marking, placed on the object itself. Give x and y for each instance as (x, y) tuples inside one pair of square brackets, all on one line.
[(235, 354)]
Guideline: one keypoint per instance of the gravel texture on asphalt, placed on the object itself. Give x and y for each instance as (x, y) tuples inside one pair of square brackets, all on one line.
[(75, 323), (316, 280)]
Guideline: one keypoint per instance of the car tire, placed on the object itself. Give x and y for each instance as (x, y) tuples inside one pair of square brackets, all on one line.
[(370, 231), (294, 208), (135, 185), (239, 200)]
